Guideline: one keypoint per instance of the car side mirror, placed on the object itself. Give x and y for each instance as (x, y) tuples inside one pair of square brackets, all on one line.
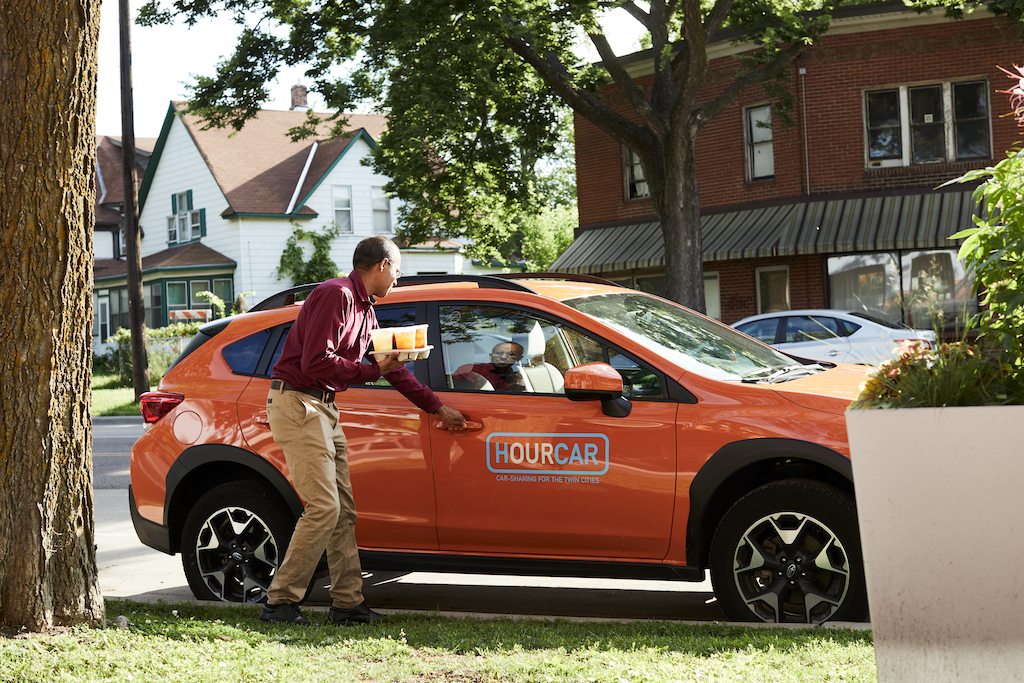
[(598, 382)]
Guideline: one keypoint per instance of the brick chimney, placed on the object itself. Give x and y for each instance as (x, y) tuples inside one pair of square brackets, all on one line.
[(299, 97)]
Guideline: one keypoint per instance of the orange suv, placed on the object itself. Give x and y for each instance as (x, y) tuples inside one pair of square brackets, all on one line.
[(638, 439)]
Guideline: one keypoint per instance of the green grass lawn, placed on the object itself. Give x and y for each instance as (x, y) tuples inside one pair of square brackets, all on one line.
[(110, 396), (193, 643)]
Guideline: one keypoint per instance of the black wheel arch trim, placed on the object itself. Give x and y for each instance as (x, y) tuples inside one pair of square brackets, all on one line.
[(738, 455), (195, 457), (156, 536)]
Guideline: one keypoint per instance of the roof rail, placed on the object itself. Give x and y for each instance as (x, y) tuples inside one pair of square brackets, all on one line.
[(283, 298), (571, 277), (492, 281), (482, 281)]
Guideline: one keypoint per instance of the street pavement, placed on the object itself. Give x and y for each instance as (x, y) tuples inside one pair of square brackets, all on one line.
[(130, 570)]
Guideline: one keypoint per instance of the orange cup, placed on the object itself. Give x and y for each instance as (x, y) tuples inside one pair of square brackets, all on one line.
[(405, 338)]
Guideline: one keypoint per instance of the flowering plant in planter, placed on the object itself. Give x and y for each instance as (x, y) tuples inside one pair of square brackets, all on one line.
[(989, 371)]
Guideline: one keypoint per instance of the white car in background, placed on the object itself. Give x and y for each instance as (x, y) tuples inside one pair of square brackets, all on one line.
[(833, 336)]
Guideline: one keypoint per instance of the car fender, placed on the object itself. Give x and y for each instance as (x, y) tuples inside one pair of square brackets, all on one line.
[(729, 474)]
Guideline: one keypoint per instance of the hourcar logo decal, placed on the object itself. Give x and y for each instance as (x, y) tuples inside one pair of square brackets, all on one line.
[(533, 453)]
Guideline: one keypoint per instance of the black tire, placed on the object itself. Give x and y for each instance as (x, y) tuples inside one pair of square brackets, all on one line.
[(233, 540), (789, 552)]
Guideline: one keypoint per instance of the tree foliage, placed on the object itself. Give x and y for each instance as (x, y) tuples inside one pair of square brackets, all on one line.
[(474, 88)]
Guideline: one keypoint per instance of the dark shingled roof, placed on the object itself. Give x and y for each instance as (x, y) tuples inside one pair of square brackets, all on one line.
[(194, 254), (109, 162), (259, 166)]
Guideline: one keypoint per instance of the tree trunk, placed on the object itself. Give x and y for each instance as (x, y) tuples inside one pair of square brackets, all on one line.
[(48, 573), (674, 193)]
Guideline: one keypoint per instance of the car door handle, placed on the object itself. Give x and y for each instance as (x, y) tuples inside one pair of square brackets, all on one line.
[(260, 419), (458, 431), (832, 353)]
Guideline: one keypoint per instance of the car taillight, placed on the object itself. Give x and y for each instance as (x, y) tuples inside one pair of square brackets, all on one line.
[(156, 404), (923, 343)]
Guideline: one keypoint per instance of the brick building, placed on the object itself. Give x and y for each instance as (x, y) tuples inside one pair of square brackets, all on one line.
[(842, 210)]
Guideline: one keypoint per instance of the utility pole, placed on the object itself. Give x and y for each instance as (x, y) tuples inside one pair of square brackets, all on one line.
[(136, 311)]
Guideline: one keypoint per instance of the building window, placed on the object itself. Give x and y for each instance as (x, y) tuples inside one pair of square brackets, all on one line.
[(760, 153), (185, 224), (636, 181), (712, 296), (103, 317), (153, 298), (923, 289), (224, 289), (197, 302), (772, 289), (381, 211), (177, 298), (927, 124), (343, 207)]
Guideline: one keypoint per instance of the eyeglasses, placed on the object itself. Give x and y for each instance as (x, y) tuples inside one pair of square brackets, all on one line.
[(512, 355), (398, 273)]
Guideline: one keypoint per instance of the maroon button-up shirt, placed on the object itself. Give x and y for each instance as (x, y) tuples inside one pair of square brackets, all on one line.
[(329, 338)]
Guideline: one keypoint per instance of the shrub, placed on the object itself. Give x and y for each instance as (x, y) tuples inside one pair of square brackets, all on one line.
[(163, 344)]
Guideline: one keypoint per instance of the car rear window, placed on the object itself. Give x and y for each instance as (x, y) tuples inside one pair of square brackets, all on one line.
[(205, 334), (243, 355)]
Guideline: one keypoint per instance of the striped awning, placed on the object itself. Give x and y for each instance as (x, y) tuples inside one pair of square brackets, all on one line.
[(847, 224)]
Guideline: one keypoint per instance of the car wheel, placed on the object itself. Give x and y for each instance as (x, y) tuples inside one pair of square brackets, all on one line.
[(789, 552), (234, 539)]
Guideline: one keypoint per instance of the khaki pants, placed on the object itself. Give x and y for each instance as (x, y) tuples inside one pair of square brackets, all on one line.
[(316, 451)]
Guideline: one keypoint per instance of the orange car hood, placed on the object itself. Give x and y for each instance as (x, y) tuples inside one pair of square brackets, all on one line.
[(831, 391)]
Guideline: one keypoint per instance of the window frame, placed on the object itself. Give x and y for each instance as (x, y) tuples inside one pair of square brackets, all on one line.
[(906, 124), (757, 284), (350, 230), (377, 194), (176, 307), (752, 145), (633, 176)]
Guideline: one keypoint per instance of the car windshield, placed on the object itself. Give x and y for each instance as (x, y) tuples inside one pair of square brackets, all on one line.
[(692, 341)]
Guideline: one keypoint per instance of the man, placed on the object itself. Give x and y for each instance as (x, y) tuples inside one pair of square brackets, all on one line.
[(500, 372), (321, 357)]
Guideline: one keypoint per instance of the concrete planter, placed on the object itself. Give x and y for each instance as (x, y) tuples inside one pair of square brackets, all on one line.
[(940, 499)]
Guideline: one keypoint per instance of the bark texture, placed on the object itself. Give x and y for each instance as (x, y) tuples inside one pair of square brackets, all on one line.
[(48, 573)]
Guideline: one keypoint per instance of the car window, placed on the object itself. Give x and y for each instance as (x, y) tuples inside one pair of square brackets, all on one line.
[(279, 349), (243, 355), (489, 348), (761, 330), (638, 380), (846, 328), (804, 328), (694, 342)]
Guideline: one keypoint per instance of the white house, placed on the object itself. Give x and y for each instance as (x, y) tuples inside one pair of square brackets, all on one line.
[(217, 208)]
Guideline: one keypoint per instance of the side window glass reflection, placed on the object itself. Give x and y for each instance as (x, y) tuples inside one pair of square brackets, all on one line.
[(501, 350)]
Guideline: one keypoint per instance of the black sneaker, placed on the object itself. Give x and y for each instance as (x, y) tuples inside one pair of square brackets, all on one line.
[(285, 613), (360, 614)]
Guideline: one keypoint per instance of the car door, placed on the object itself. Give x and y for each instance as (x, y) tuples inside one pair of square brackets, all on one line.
[(816, 337), (537, 474), (388, 450)]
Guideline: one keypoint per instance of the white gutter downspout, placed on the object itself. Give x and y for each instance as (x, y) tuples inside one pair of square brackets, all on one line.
[(302, 178)]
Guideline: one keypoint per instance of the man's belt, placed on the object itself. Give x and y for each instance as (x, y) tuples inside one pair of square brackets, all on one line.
[(319, 394)]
